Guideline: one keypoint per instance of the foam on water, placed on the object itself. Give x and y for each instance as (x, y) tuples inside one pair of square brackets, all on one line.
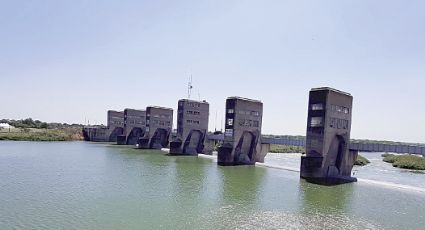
[(391, 185)]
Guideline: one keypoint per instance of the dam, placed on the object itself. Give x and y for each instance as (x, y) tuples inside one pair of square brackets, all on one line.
[(192, 127), (159, 123)]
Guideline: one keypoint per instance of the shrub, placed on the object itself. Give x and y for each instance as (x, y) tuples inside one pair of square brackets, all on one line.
[(389, 158), (405, 161), (286, 149), (361, 161), (44, 135)]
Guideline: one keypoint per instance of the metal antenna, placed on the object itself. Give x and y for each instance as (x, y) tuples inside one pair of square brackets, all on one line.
[(189, 87), (215, 129), (222, 124)]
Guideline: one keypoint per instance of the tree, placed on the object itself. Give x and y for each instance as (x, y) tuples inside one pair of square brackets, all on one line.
[(29, 122), (44, 125)]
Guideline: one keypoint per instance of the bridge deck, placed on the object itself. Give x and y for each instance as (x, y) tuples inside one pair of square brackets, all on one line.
[(354, 145)]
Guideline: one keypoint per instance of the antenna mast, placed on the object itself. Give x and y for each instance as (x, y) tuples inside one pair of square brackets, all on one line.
[(215, 128), (189, 87)]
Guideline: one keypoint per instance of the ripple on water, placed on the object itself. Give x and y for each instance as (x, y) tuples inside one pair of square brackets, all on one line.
[(86, 186), (231, 217)]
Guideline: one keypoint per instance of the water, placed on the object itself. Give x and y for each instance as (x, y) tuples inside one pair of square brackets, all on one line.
[(78, 185), (377, 171)]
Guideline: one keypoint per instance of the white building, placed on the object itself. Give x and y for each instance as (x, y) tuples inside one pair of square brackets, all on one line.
[(5, 126)]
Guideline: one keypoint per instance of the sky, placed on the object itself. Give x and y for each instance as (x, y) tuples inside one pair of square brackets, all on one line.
[(71, 61)]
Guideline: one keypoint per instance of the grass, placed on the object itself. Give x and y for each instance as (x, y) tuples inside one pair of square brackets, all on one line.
[(361, 161), (65, 134), (406, 161), (286, 149)]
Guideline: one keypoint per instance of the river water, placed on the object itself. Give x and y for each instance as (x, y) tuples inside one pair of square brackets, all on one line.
[(79, 185)]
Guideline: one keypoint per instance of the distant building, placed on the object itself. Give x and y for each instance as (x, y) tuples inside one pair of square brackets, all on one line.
[(242, 137), (159, 123), (192, 127), (6, 126), (328, 159)]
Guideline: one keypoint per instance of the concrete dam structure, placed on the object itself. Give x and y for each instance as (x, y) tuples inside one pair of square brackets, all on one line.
[(329, 155), (159, 124), (134, 127), (95, 133), (328, 159), (111, 133), (115, 125), (192, 127), (242, 137)]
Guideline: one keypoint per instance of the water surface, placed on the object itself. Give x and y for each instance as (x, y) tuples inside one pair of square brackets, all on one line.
[(79, 185), (376, 171)]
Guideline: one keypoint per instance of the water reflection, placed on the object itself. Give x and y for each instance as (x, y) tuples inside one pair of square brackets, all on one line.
[(189, 178), (330, 198), (242, 185), (90, 186)]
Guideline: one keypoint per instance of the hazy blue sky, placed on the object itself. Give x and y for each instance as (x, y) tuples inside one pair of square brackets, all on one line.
[(69, 61)]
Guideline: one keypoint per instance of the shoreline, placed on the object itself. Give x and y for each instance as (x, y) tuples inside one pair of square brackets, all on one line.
[(36, 134)]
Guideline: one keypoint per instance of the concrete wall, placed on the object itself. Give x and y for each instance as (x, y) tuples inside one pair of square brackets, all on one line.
[(115, 125), (134, 125), (158, 119), (242, 137), (192, 126), (328, 136), (265, 148), (96, 134), (134, 118), (115, 119)]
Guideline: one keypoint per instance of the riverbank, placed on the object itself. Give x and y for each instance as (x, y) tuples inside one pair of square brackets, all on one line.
[(32, 134)]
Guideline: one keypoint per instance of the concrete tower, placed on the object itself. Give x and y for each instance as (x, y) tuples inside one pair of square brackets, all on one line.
[(328, 159), (159, 122), (242, 137), (115, 125), (192, 127), (134, 126)]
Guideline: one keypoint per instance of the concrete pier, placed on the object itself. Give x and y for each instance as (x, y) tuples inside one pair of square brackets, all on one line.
[(242, 137), (192, 127), (134, 125), (115, 125), (159, 122), (328, 159), (265, 148)]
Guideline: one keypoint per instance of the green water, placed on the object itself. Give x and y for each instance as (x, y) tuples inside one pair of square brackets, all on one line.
[(78, 185)]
